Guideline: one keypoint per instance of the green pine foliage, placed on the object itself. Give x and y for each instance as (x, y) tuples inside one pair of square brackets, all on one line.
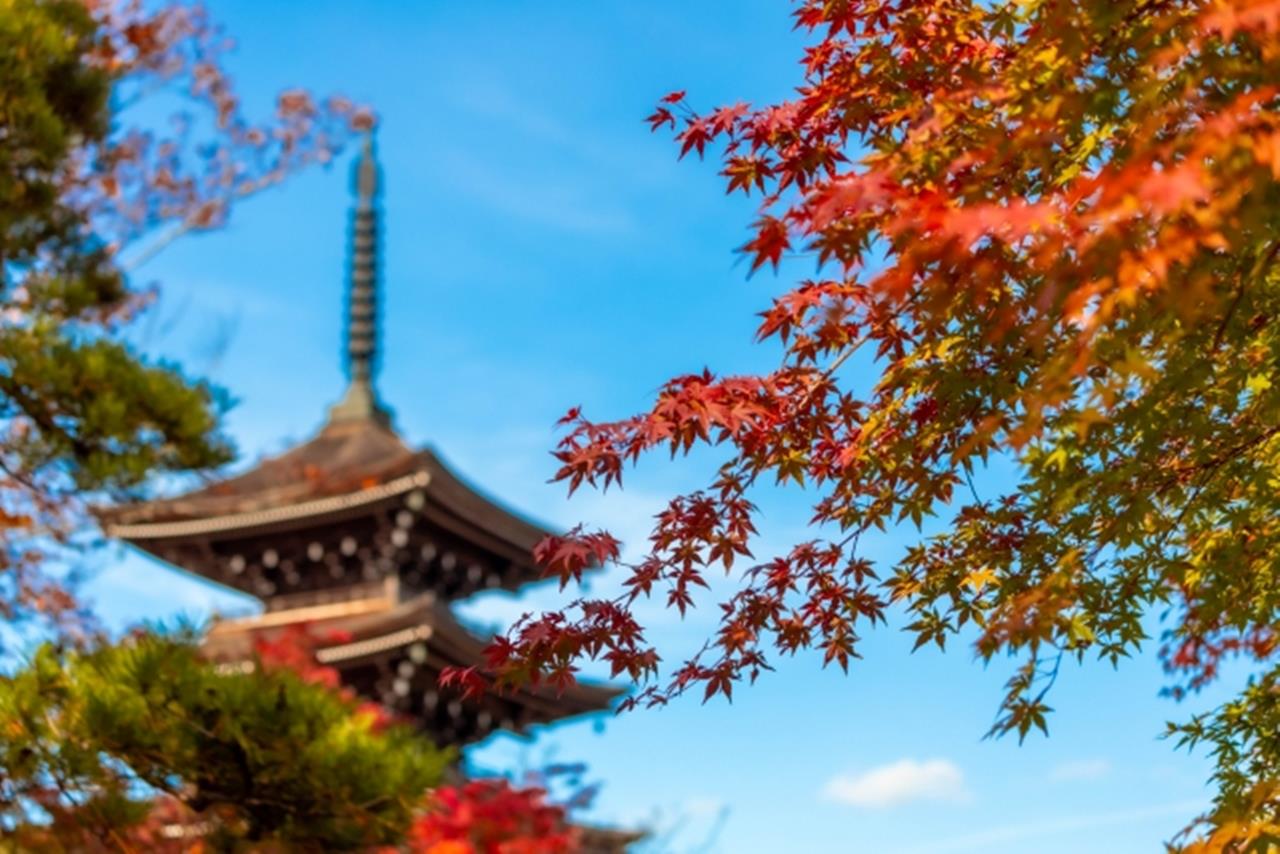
[(85, 411), (81, 411), (259, 758)]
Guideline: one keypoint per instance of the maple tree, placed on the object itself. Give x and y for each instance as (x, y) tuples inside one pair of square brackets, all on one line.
[(1046, 235), (88, 192)]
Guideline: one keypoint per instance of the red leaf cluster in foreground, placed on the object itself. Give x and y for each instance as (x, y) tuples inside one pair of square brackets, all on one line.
[(493, 817)]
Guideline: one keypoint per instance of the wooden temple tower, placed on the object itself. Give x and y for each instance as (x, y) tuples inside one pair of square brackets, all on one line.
[(356, 532)]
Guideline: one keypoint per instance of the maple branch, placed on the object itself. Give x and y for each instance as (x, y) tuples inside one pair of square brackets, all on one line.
[(1259, 268), (968, 477), (853, 538), (21, 478), (157, 246), (1134, 14), (841, 359), (827, 373), (187, 225), (1182, 515), (1208, 468), (708, 843), (1231, 453), (1052, 676)]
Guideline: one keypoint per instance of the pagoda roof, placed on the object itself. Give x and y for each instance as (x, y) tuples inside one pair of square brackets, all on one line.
[(347, 466), (345, 457), (378, 627)]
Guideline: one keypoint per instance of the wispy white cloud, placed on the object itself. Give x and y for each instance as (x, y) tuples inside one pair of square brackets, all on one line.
[(546, 200), (702, 807), (524, 113), (898, 783), (1025, 831), (1077, 770), (492, 101)]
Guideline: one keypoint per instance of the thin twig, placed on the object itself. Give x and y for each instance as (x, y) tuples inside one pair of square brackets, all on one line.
[(1259, 268)]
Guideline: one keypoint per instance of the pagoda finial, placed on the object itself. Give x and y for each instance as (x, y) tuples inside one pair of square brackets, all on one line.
[(361, 399)]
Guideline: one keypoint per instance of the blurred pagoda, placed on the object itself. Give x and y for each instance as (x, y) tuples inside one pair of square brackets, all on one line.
[(353, 533)]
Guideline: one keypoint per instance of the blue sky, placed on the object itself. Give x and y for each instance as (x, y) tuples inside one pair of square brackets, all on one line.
[(543, 249)]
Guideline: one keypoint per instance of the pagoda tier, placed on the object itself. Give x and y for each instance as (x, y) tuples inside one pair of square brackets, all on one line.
[(392, 650), (352, 532), (331, 517)]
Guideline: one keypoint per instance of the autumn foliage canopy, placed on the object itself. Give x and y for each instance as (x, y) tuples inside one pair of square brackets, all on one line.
[(1046, 237)]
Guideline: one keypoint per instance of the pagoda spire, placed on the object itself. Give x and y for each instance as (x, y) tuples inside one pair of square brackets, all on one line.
[(361, 399)]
